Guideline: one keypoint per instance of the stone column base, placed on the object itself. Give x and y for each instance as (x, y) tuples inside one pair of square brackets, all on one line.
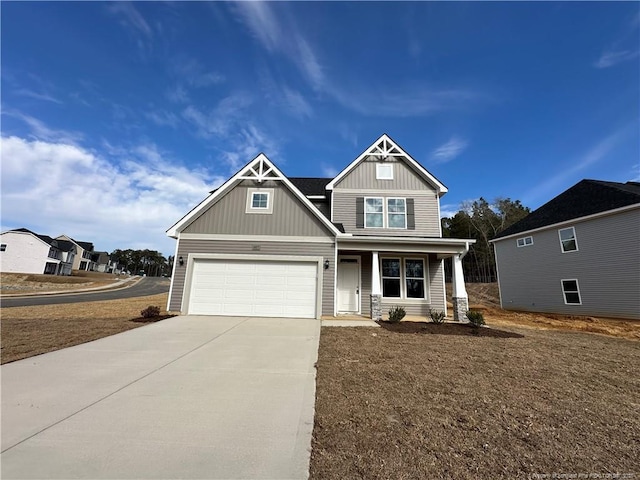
[(376, 307), (460, 308)]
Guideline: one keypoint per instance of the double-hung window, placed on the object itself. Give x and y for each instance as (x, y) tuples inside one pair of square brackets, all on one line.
[(396, 213), (568, 240), (403, 278), (571, 292), (374, 212), (382, 212)]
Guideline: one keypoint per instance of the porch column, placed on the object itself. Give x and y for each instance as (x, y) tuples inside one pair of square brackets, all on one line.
[(459, 296), (376, 293)]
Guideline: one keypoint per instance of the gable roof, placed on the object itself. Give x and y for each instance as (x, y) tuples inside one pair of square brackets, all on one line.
[(65, 245), (84, 245), (259, 169), (45, 238), (385, 147), (587, 197)]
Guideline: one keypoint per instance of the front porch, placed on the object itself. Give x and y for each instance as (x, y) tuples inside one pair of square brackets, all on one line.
[(374, 274)]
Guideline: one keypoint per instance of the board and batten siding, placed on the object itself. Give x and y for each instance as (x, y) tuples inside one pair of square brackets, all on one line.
[(289, 217), (187, 246), (606, 265), (425, 207), (436, 292), (363, 176)]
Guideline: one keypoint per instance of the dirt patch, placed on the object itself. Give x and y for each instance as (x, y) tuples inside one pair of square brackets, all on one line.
[(408, 404), (32, 283), (28, 331)]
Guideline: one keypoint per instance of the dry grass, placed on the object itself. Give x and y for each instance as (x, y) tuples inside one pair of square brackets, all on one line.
[(423, 401), (28, 331), (32, 283)]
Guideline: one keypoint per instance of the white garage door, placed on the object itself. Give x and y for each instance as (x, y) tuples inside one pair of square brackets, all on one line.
[(253, 288)]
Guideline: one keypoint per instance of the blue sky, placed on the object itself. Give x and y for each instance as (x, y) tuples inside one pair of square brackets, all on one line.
[(117, 118)]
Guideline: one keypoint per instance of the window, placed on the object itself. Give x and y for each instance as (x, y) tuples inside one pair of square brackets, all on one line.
[(384, 171), (396, 213), (525, 241), (571, 292), (414, 277), (259, 200), (3, 247), (568, 240), (373, 213), (391, 277), (403, 278)]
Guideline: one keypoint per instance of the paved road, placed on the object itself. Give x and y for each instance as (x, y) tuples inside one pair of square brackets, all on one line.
[(188, 397), (146, 286)]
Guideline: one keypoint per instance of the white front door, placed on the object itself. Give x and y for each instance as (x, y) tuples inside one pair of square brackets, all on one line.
[(348, 285)]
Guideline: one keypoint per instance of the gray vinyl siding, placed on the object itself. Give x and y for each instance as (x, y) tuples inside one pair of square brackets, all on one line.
[(606, 265), (187, 246), (363, 176), (427, 220), (435, 287), (228, 215)]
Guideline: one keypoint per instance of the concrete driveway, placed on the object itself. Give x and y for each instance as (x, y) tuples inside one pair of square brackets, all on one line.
[(188, 397)]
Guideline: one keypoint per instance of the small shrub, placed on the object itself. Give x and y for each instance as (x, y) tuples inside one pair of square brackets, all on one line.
[(150, 312), (437, 316), (396, 314), (476, 319)]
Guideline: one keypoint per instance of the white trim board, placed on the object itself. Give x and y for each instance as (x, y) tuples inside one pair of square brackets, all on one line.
[(254, 238)]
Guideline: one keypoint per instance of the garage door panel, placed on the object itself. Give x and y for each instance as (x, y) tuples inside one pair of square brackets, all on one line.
[(253, 288)]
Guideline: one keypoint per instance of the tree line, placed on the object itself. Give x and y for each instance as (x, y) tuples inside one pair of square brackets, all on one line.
[(482, 221), (143, 262)]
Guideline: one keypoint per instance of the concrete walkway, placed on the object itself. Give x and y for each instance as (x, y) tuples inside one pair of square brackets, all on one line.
[(188, 397)]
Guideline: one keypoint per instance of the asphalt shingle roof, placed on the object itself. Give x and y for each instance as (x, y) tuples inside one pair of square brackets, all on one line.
[(310, 185), (587, 197)]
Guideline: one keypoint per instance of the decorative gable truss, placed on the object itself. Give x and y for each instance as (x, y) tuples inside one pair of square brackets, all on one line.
[(260, 169), (384, 148)]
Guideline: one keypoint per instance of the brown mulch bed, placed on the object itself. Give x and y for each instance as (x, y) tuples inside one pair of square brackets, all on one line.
[(411, 401), (29, 331), (151, 319)]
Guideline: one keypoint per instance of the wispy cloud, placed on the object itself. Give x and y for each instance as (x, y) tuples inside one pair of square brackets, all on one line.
[(611, 58), (328, 170), (130, 17), (163, 118), (39, 130), (570, 173), (177, 94), (246, 144), (229, 113), (134, 197), (449, 150), (25, 92)]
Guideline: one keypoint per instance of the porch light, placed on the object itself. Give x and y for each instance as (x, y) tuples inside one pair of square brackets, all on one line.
[(326, 264), (181, 261)]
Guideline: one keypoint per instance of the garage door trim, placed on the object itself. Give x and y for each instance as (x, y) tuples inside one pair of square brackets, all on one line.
[(192, 257)]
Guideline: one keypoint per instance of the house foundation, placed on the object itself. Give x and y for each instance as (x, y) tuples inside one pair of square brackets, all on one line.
[(460, 308), (376, 307)]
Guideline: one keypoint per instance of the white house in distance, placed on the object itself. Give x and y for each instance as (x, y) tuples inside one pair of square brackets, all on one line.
[(23, 251), (578, 254), (84, 259)]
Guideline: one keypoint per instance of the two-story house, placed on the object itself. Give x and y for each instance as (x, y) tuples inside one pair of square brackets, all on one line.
[(23, 251), (267, 245), (84, 258), (578, 254)]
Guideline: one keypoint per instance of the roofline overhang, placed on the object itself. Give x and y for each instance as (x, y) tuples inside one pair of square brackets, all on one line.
[(568, 222), (448, 246)]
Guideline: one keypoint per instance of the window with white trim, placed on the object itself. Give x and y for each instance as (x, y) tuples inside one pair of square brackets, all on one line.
[(396, 213), (384, 171), (404, 278), (259, 200), (568, 240), (525, 241), (374, 212), (391, 277), (571, 292)]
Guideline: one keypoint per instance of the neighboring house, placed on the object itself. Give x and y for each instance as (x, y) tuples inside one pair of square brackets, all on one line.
[(69, 251), (578, 254), (84, 259), (266, 245), (23, 251), (102, 261)]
